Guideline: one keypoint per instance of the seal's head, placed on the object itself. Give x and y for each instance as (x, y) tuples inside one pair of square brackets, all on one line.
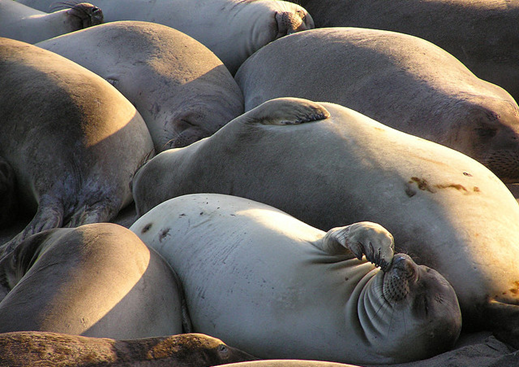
[(416, 306), (84, 15)]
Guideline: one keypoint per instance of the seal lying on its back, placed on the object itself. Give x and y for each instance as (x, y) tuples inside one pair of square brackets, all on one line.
[(277, 288), (73, 141), (95, 280), (399, 80), (186, 350), (181, 89), (232, 29), (23, 23), (482, 34), (443, 208)]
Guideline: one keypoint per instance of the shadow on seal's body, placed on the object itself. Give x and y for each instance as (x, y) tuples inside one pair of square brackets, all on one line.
[(328, 165), (72, 140)]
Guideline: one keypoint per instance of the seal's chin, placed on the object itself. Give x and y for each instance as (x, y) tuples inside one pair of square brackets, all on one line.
[(396, 281)]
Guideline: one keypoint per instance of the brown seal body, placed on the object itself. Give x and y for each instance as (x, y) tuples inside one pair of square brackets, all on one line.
[(25, 349), (328, 165), (20, 22), (94, 280), (180, 88), (482, 34), (399, 80), (73, 141)]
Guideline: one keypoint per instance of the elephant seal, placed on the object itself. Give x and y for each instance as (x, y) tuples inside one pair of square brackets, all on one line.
[(399, 80), (482, 34), (277, 288), (328, 165), (232, 29), (95, 280), (186, 350), (180, 88), (67, 134), (20, 22)]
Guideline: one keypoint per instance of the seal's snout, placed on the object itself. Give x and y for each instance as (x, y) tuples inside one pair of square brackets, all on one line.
[(289, 22), (402, 271)]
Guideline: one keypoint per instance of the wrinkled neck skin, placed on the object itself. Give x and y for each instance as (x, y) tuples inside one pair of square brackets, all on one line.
[(376, 322)]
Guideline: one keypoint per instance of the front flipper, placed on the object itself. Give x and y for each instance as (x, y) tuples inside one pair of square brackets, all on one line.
[(362, 238), (287, 111)]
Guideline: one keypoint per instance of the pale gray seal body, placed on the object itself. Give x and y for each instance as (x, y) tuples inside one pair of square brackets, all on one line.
[(278, 288), (399, 80), (95, 280), (482, 34), (181, 89), (445, 209), (20, 22), (26, 349), (73, 141), (232, 29)]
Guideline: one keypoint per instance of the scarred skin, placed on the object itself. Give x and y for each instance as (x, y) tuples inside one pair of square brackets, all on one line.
[(328, 165), (186, 350), (399, 80), (26, 24), (66, 134), (263, 280), (181, 89), (232, 29)]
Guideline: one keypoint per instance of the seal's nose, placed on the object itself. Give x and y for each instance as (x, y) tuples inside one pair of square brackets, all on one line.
[(289, 22)]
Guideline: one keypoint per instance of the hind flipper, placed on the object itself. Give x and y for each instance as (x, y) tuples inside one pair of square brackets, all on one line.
[(49, 215)]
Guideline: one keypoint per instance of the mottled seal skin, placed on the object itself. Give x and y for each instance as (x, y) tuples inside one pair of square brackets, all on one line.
[(73, 141), (399, 80), (20, 22), (482, 34), (95, 280), (277, 288), (31, 348), (445, 209), (232, 29), (180, 88)]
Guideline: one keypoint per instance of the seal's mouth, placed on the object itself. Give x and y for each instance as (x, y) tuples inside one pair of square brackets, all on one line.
[(401, 273), (504, 164)]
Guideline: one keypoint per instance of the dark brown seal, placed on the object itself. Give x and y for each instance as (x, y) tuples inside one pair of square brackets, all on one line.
[(32, 348)]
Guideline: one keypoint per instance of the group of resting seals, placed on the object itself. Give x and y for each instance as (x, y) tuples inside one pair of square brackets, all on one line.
[(414, 186), (329, 166)]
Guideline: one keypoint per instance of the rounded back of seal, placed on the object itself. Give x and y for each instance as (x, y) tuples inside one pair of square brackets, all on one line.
[(66, 133), (399, 80), (328, 165), (181, 89)]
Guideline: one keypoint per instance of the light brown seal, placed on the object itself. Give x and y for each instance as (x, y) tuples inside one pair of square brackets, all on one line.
[(94, 280), (73, 141), (180, 88), (482, 34), (277, 288), (328, 165), (232, 29), (27, 349), (20, 22), (399, 80)]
